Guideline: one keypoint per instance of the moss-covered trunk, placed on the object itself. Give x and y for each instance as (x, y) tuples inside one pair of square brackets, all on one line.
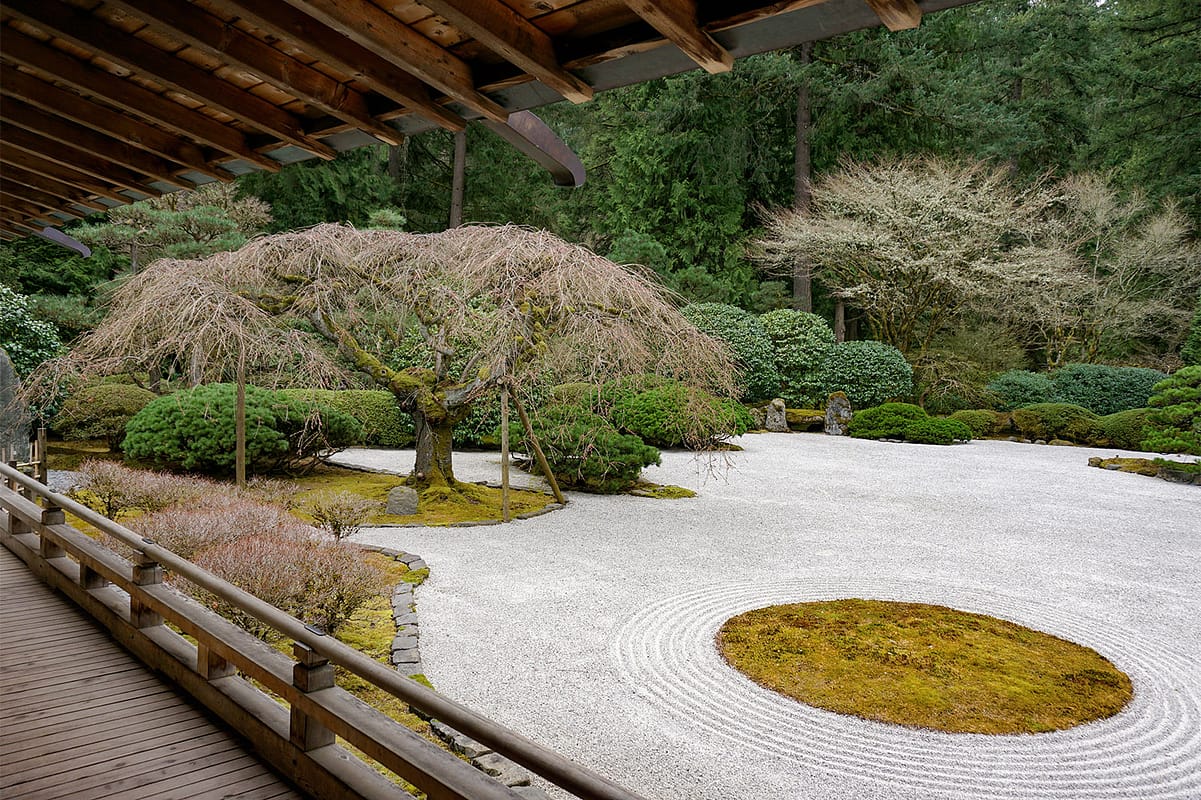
[(434, 446)]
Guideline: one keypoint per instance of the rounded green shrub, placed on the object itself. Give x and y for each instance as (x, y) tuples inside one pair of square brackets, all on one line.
[(1019, 387), (981, 422), (28, 341), (1175, 420), (1124, 429), (602, 399), (748, 342), (801, 343), (384, 424), (868, 372), (1055, 421), (675, 415), (1104, 389), (887, 421), (937, 431), (193, 431), (101, 411), (585, 451)]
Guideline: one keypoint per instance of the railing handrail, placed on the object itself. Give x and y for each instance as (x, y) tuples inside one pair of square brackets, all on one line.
[(544, 762)]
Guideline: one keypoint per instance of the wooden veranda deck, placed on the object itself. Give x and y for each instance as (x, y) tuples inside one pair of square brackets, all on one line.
[(80, 717)]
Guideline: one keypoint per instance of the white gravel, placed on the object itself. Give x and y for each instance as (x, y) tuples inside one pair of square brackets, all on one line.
[(591, 629)]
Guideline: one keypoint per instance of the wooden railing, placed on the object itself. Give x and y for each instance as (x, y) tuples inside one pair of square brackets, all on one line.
[(130, 599)]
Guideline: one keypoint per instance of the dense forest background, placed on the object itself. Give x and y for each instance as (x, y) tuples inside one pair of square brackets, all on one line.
[(681, 171)]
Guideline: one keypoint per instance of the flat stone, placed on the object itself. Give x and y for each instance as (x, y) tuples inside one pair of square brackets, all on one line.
[(459, 742), (406, 618), (502, 769), (408, 558), (404, 643), (402, 501), (410, 669), (410, 656), (418, 564)]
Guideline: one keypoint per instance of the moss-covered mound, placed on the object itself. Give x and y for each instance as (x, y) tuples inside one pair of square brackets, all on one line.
[(924, 666)]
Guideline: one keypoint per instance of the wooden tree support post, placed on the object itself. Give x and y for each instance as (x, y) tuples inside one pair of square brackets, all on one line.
[(504, 452), (311, 673), (146, 572), (529, 432), (40, 459), (240, 422)]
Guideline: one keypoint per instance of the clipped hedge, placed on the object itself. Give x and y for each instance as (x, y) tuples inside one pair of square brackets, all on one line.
[(1055, 421), (870, 373), (887, 421), (585, 451), (937, 431), (748, 342), (193, 431), (1104, 389), (1124, 429), (101, 411), (801, 343), (1175, 420), (1019, 387), (384, 424), (981, 422), (675, 415)]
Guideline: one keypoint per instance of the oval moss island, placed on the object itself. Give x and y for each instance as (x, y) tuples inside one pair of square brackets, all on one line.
[(923, 666)]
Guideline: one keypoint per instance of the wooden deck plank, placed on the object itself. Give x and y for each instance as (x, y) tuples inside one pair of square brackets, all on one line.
[(81, 718)]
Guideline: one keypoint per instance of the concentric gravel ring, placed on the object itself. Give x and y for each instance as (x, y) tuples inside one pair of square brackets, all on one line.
[(1151, 749)]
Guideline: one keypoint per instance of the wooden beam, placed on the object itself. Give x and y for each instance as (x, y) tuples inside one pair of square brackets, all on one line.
[(59, 172), (14, 200), (677, 20), (21, 115), (89, 163), (50, 186), (24, 226), (122, 127), (522, 43), (289, 24), (84, 30), (43, 199), (191, 24), (897, 15), (370, 26), (29, 213)]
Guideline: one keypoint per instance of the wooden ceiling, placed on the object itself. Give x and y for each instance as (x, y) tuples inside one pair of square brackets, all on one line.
[(104, 103)]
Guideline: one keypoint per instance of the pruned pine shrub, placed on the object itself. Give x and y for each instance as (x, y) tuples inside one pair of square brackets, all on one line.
[(934, 430), (1103, 389), (747, 340), (100, 411), (1175, 421), (675, 415), (585, 451), (1124, 429), (340, 514), (1019, 387), (870, 373), (886, 421), (193, 431), (980, 422), (801, 343), (384, 424), (1048, 421)]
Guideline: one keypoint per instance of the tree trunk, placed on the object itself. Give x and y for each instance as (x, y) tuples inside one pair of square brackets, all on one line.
[(434, 447), (458, 179), (840, 320), (802, 283)]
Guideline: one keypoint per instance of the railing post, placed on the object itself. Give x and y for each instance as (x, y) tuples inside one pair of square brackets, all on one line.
[(51, 515), (211, 666), (311, 672), (146, 572)]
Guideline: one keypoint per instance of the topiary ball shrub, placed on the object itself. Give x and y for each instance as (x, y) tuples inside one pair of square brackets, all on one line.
[(1175, 420), (870, 373), (384, 424), (585, 451), (801, 343), (1018, 387), (1124, 429), (101, 411), (937, 431), (887, 421), (602, 399), (748, 342), (981, 422), (1055, 421), (193, 431), (675, 415), (1103, 389)]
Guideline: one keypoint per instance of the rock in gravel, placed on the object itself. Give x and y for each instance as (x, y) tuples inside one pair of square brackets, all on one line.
[(838, 414), (776, 418), (402, 501)]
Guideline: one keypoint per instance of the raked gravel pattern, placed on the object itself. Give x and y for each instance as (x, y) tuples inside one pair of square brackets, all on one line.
[(591, 629)]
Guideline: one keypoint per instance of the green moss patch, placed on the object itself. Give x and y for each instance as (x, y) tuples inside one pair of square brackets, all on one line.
[(1174, 471), (660, 491), (923, 666)]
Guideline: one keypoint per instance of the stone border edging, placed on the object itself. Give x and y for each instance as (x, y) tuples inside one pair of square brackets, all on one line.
[(406, 659)]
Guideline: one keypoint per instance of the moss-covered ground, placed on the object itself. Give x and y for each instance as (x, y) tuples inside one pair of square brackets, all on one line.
[(923, 666)]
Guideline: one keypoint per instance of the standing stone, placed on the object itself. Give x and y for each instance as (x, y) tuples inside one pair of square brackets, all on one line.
[(14, 415), (402, 501), (776, 419), (838, 414)]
